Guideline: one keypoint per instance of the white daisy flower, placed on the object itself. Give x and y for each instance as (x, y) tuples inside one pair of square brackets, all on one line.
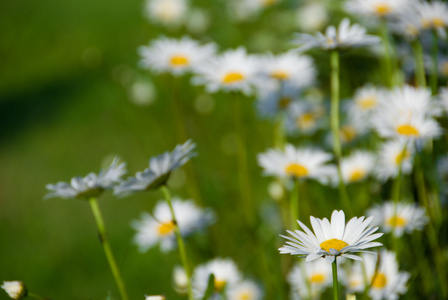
[(175, 56), (166, 12), (332, 239), (391, 155), (272, 101), (434, 15), (357, 166), (296, 163), (309, 280), (158, 297), (355, 281), (407, 24), (234, 70), (159, 170), (242, 10), (345, 37), (304, 118), (400, 218), (159, 227), (92, 185), (378, 8), (15, 289), (244, 290), (312, 16), (386, 282), (180, 280), (226, 275)]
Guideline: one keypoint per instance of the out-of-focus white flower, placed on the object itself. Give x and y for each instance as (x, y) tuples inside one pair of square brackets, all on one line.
[(276, 190), (355, 281), (272, 100), (159, 227), (357, 166), (433, 15), (407, 24), (304, 118), (155, 297), (175, 56), (386, 281), (309, 279), (244, 290), (226, 275), (345, 37), (15, 289), (92, 185), (159, 170), (166, 12), (142, 92), (198, 21), (332, 239), (234, 70), (242, 10), (378, 8), (400, 218), (180, 280), (312, 16), (391, 155)]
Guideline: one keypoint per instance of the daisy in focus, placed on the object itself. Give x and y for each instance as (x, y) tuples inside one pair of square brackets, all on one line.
[(296, 163), (159, 170), (309, 280), (357, 166), (166, 12), (392, 156), (332, 239), (92, 185), (378, 8), (15, 289), (345, 37), (175, 56), (159, 227), (398, 219), (244, 290), (234, 70)]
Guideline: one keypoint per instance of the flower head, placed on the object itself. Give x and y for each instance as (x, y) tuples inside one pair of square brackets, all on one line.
[(433, 15), (357, 166), (392, 155), (378, 8), (155, 297), (244, 290), (159, 170), (92, 185), (166, 12), (309, 280), (304, 118), (15, 289), (332, 239)]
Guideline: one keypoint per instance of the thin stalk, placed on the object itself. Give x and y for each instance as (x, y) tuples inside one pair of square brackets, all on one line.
[(279, 131), (334, 62), (435, 68), (335, 279), (180, 242), (419, 63), (294, 204), (106, 246), (388, 64)]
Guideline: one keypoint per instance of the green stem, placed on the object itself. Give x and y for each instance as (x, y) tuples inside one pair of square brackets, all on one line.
[(435, 68), (294, 204), (180, 242), (334, 62), (106, 246), (419, 63), (335, 279), (388, 70), (279, 131)]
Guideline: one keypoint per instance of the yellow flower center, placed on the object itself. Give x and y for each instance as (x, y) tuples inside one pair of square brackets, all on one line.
[(396, 221), (438, 22), (284, 102), (444, 68), (219, 285), (367, 103), (348, 133), (354, 283), (296, 170), (280, 75), (333, 244), (426, 23), (245, 296), (269, 2), (379, 281), (357, 175), (382, 9), (166, 228), (402, 156), (233, 77), (317, 278), (179, 60), (306, 121), (407, 130)]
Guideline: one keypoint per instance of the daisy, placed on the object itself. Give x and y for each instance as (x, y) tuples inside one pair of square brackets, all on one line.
[(160, 227), (433, 15), (166, 12), (226, 275), (175, 56), (392, 155), (309, 280), (296, 163), (304, 118), (244, 290), (233, 70), (158, 297), (400, 218), (312, 16), (386, 282), (242, 10), (15, 289), (180, 279), (378, 8), (271, 101), (345, 37), (332, 239), (159, 170), (355, 281), (92, 185), (357, 166), (407, 24)]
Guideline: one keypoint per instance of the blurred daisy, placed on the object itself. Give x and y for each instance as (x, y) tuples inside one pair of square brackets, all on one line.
[(92, 185), (15, 289), (312, 16), (355, 282), (271, 101), (154, 298), (159, 170), (234, 70), (332, 239), (378, 8), (242, 10), (175, 56), (345, 37), (386, 281), (391, 155), (304, 118), (434, 15), (309, 280), (296, 163), (357, 166), (159, 227), (407, 24), (180, 280), (226, 276), (348, 133), (400, 218), (166, 12), (365, 101), (244, 290)]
